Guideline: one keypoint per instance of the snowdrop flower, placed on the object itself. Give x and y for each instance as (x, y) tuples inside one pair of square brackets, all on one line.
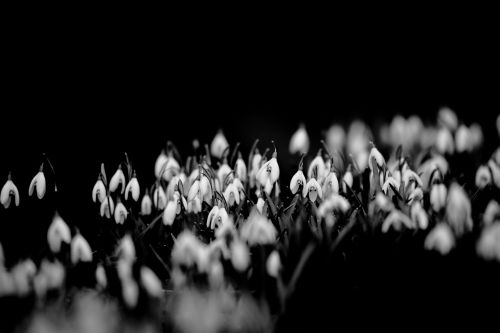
[(176, 184), (117, 180), (146, 205), (476, 135), (299, 143), (216, 217), (347, 179), (415, 196), (80, 250), (390, 181), (297, 181), (169, 213), (22, 274), (240, 168), (444, 141), (100, 276), (381, 203), (232, 195), (133, 188), (240, 256), (317, 168), (273, 264), (464, 140), (7, 285), (312, 190), (440, 239), (495, 173), (161, 161), (130, 293), (150, 282), (483, 177), (9, 190), (410, 175), (186, 249), (107, 207), (488, 245), (170, 168), (120, 213), (219, 145), (54, 272), (334, 203), (126, 249), (438, 197), (377, 156), (194, 205), (255, 166), (269, 173), (419, 216), (257, 229), (427, 170), (396, 219), (99, 191), (491, 213), (260, 205), (448, 118), (38, 182), (58, 233), (159, 198), (331, 184), (458, 210), (335, 138)]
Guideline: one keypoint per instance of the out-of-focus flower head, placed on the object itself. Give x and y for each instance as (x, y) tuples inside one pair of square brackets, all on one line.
[(488, 245), (491, 213), (240, 168), (438, 197), (299, 143), (440, 239), (419, 216), (317, 169), (240, 255), (458, 210), (126, 249), (257, 229), (444, 141), (358, 138), (447, 118), (219, 144), (335, 138), (80, 250), (396, 220), (58, 233), (335, 203), (273, 264), (150, 282), (483, 176)]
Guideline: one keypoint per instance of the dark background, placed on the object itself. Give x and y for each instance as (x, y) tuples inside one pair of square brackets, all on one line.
[(85, 94)]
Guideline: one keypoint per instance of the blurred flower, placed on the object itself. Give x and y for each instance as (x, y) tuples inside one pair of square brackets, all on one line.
[(417, 195), (410, 175), (347, 180), (273, 264), (117, 180), (186, 249), (160, 164), (491, 213), (159, 198), (464, 139), (22, 276), (438, 197), (146, 205), (219, 145), (130, 293), (297, 181), (419, 216), (194, 206), (495, 173), (458, 210), (58, 232), (317, 168), (432, 167), (216, 217), (483, 176), (99, 191), (257, 229), (396, 219), (312, 190), (440, 239), (331, 184), (9, 190), (488, 245), (80, 250), (120, 213), (447, 118), (133, 189), (169, 213), (100, 276), (444, 141), (299, 143), (240, 256), (476, 135), (150, 282), (126, 249), (387, 185), (333, 203), (335, 138), (260, 205), (39, 183), (240, 168)]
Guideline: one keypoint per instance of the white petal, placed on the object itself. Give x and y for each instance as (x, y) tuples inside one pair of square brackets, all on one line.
[(80, 250)]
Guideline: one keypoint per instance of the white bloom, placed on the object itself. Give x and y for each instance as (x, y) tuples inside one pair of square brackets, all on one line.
[(39, 183), (58, 232), (333, 203), (299, 143), (257, 229), (117, 180), (126, 249), (298, 180), (464, 140), (99, 191), (169, 213), (331, 185), (133, 189), (419, 216), (495, 173), (9, 190), (150, 282), (396, 219), (130, 292), (427, 169), (218, 145), (448, 118), (240, 256), (387, 185), (438, 197), (312, 190), (440, 239), (458, 210), (216, 217), (159, 198), (22, 274), (194, 206), (186, 250), (483, 176), (7, 285), (54, 272), (120, 213), (240, 169), (161, 161), (416, 195), (335, 138), (476, 135), (100, 276), (260, 205), (377, 156), (488, 245), (146, 205), (317, 167), (232, 195), (273, 264), (268, 174), (491, 213), (347, 180), (444, 141), (80, 250)]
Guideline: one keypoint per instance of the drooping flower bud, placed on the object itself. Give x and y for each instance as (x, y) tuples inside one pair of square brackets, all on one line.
[(133, 189), (146, 205), (99, 191), (118, 179), (483, 177), (448, 118), (9, 190), (58, 233), (38, 182), (219, 145), (297, 181), (458, 210), (438, 197), (80, 250), (268, 174), (120, 213), (440, 239), (299, 143), (273, 264), (444, 141)]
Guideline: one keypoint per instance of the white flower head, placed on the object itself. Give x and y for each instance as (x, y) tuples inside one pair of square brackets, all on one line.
[(297, 181), (100, 276), (186, 250), (151, 282), (240, 168), (331, 184), (444, 141), (219, 145), (273, 264), (170, 169), (312, 190), (161, 161), (347, 180), (389, 183), (419, 216), (99, 191), (38, 182), (240, 255), (335, 137), (333, 203), (377, 156), (9, 190), (133, 189), (483, 176), (440, 239), (217, 217), (495, 172), (488, 246), (232, 195), (396, 219), (170, 212), (438, 197), (58, 233), (491, 213), (80, 250), (476, 135), (299, 143), (126, 249), (159, 198), (130, 293), (194, 205), (257, 229), (458, 210), (268, 174), (146, 205), (448, 118), (260, 205), (120, 213), (317, 169), (118, 179), (464, 140)]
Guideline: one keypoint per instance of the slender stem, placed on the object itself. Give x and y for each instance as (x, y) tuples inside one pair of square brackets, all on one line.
[(53, 171)]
